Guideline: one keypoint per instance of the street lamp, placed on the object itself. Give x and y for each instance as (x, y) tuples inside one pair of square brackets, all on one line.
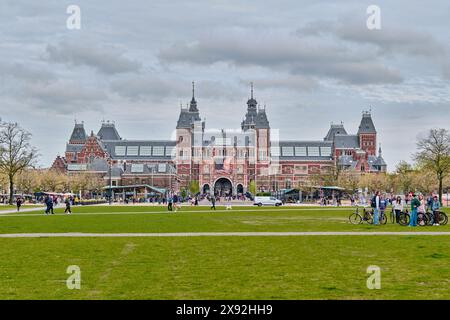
[(110, 181)]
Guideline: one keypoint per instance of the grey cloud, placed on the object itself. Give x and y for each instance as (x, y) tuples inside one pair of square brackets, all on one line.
[(159, 89), (387, 41), (297, 83), (63, 97), (27, 73), (138, 88), (105, 60), (290, 54)]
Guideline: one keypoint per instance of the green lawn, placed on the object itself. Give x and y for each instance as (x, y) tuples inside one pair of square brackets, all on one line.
[(191, 219), (319, 267), (13, 207)]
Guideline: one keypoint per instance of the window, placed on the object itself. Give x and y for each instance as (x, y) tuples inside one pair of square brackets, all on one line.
[(120, 150), (206, 168), (145, 151), (262, 154), (313, 152), (132, 150), (300, 151), (137, 168), (162, 167), (170, 151), (240, 169), (288, 184), (325, 151), (275, 151), (301, 169), (287, 151), (158, 150)]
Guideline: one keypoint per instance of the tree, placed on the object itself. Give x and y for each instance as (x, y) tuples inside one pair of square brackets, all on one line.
[(194, 187), (252, 187), (434, 154), (16, 152), (404, 176)]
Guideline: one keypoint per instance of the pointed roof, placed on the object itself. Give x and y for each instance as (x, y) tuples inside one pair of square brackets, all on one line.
[(78, 135), (261, 119), (366, 125), (193, 105), (380, 161), (108, 131), (334, 130), (252, 112)]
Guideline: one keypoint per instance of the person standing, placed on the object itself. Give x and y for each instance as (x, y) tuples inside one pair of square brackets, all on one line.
[(435, 206), (68, 209), (376, 211), (415, 204), (175, 202), (398, 208)]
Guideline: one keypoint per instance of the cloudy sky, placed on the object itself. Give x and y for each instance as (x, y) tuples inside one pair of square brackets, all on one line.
[(313, 62)]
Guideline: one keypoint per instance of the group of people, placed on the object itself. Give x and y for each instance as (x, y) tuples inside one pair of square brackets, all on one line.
[(51, 201), (417, 202)]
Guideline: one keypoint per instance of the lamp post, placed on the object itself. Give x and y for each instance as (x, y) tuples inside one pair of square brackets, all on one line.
[(110, 182)]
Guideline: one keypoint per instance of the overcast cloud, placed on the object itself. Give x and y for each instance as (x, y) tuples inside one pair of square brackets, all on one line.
[(312, 63)]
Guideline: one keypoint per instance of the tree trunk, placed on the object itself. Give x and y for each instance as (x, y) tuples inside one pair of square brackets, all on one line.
[(11, 190), (440, 189)]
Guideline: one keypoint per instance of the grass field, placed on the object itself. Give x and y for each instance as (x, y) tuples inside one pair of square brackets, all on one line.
[(6, 207), (289, 267)]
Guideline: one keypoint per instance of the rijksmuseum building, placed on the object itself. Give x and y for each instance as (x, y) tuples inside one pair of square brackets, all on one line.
[(223, 161)]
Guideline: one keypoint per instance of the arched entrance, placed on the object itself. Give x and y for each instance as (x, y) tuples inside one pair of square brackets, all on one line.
[(239, 189), (206, 189), (223, 187)]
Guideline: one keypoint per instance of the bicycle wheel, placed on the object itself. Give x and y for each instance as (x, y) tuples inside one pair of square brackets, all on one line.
[(403, 219), (355, 218), (392, 216), (383, 219), (443, 219), (422, 219), (368, 217)]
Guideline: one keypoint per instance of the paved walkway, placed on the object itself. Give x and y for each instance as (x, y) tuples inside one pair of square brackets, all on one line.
[(24, 209), (218, 234)]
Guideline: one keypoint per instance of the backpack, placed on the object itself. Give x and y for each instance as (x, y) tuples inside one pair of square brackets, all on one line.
[(373, 202)]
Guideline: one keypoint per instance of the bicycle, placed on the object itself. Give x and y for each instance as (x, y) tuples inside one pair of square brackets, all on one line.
[(443, 218), (357, 218), (404, 218)]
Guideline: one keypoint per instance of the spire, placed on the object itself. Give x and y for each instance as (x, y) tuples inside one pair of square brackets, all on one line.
[(251, 90), (379, 151), (193, 105)]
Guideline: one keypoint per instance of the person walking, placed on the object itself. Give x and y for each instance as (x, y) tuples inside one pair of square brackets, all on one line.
[(213, 202), (175, 202), (18, 203), (415, 204), (435, 206), (169, 203), (68, 210)]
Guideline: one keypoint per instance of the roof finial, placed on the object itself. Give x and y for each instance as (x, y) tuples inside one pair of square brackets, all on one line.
[(251, 90), (193, 89)]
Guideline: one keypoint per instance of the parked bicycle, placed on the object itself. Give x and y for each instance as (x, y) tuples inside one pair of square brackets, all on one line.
[(366, 216)]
